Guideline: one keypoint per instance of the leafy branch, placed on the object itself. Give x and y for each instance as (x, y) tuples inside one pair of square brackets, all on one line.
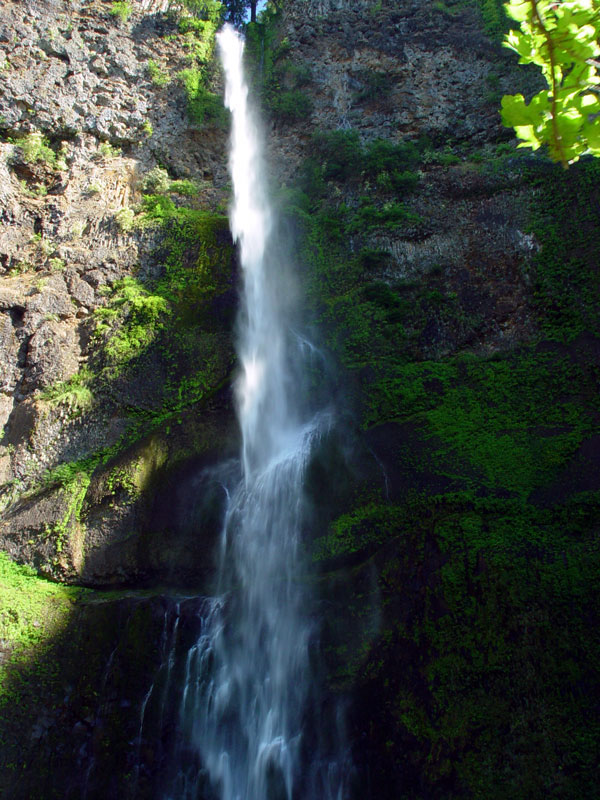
[(560, 37)]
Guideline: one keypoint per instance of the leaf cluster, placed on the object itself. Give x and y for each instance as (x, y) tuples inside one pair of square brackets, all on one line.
[(561, 38)]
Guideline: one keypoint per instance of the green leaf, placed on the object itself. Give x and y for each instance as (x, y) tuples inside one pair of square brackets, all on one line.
[(519, 11), (515, 111)]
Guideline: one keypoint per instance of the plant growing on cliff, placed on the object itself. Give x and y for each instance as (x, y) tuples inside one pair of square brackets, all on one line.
[(562, 39), (107, 150), (74, 394), (125, 219), (157, 181), (121, 9), (35, 148), (31, 607), (128, 323), (202, 105), (158, 77)]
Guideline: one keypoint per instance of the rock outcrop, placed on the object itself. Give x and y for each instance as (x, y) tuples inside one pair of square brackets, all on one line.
[(83, 121)]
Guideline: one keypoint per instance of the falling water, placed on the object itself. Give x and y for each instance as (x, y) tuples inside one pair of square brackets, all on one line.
[(248, 677)]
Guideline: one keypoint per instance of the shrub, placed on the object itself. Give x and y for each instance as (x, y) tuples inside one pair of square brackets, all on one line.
[(124, 219), (35, 148), (384, 156), (121, 9), (202, 105), (157, 181), (341, 152), (374, 259), (108, 151), (291, 106), (368, 216), (157, 76)]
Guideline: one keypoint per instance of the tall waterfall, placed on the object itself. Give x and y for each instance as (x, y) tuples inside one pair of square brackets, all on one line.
[(248, 678)]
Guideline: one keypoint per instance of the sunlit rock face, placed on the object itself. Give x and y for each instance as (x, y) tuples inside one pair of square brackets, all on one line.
[(82, 124)]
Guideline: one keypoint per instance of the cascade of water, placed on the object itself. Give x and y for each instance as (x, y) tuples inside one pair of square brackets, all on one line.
[(248, 678)]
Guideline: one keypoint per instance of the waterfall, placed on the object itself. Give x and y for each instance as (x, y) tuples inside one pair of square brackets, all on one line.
[(248, 682)]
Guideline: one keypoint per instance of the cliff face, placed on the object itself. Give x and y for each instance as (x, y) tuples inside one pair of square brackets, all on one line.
[(453, 278), (455, 505), (89, 107)]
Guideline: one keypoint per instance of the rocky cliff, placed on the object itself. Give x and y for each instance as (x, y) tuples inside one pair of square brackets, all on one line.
[(95, 122), (456, 503)]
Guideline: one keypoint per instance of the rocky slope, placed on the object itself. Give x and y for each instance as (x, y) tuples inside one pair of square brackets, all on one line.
[(456, 504)]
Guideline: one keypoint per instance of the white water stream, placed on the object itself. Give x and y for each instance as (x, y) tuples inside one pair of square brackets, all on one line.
[(248, 679)]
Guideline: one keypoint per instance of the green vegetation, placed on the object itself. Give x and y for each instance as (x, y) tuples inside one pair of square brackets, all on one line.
[(125, 218), (158, 77), (169, 321), (203, 105), (562, 39), (291, 106), (486, 555), (107, 150), (128, 322), (36, 149), (341, 156), (68, 528), (157, 181), (74, 394), (31, 609), (278, 81), (196, 34), (122, 9), (563, 219)]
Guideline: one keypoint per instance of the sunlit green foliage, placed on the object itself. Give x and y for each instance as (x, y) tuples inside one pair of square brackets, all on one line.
[(158, 77), (129, 321), (35, 148), (157, 181), (74, 394), (31, 608), (562, 39), (203, 105), (122, 9)]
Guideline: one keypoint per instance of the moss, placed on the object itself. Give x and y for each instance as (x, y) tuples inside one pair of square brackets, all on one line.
[(128, 323), (363, 529), (516, 420), (32, 608), (485, 657), (567, 294), (485, 557)]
